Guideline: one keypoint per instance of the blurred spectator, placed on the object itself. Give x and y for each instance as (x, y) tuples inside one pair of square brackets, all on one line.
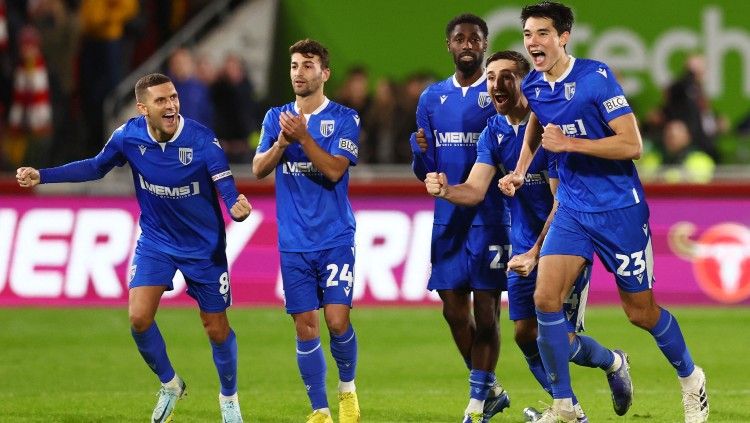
[(195, 97), (103, 62), (678, 159), (237, 112), (686, 100), (30, 119), (59, 30), (378, 140), (405, 119), (354, 91), (205, 69)]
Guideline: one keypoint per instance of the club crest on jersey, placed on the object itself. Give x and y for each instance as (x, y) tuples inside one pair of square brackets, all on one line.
[(142, 148), (484, 99), (570, 90), (186, 155), (326, 127)]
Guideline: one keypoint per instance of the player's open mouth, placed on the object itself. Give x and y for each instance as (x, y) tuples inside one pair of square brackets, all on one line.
[(170, 118), (500, 98), (537, 57)]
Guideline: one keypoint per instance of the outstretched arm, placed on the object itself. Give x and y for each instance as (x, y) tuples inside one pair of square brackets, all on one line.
[(469, 193)]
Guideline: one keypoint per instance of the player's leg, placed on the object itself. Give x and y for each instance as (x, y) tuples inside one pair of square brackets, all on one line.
[(303, 299), (150, 275), (337, 302), (627, 252), (209, 284), (457, 313), (586, 351)]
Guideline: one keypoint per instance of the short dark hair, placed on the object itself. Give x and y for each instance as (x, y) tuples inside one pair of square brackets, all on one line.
[(560, 14), (523, 65), (147, 81), (469, 19), (310, 48)]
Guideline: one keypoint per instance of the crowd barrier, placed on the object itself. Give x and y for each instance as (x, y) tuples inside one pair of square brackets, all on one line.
[(73, 251)]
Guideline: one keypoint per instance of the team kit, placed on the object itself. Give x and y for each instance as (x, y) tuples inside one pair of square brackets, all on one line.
[(529, 156)]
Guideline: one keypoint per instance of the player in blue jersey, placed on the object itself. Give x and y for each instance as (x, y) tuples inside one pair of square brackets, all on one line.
[(531, 211), (470, 245), (582, 114), (310, 143), (177, 167)]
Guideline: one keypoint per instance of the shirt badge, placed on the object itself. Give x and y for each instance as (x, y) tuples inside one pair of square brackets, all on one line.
[(326, 127), (186, 155)]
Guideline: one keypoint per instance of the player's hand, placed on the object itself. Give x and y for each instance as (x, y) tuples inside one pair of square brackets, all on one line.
[(436, 184), (294, 127), (421, 140), (553, 139), (523, 264), (241, 209), (509, 183), (283, 141), (27, 177)]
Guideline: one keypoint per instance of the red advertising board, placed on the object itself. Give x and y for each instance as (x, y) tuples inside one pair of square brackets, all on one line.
[(76, 251)]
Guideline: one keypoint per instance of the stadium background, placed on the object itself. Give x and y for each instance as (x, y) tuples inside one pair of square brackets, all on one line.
[(69, 246)]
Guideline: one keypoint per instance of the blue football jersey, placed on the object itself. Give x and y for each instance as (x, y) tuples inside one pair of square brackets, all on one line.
[(500, 146), (582, 102), (452, 118), (313, 213), (174, 184)]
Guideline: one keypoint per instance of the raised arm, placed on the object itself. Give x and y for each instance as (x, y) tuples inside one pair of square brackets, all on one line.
[(469, 193)]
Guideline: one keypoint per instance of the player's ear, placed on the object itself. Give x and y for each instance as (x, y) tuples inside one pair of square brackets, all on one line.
[(326, 73), (564, 37), (142, 110)]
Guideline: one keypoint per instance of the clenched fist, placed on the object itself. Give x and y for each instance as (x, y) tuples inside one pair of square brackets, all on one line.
[(241, 209), (436, 184)]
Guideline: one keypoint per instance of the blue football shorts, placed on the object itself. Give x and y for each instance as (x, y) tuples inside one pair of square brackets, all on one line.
[(207, 278), (521, 298), (314, 279), (473, 259), (621, 238)]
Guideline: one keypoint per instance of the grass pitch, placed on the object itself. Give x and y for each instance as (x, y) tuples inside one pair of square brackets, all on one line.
[(81, 365)]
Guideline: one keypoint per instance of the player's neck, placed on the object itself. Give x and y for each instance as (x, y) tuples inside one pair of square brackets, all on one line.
[(558, 69), (466, 80), (310, 103), (519, 114)]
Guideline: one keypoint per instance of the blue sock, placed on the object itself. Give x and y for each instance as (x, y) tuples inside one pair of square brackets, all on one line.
[(154, 351), (480, 384), (344, 351), (669, 338), (585, 351), (554, 350), (312, 368), (225, 359), (531, 353)]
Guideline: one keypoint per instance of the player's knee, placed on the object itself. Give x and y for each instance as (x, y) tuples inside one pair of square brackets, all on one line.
[(140, 321), (524, 336), (337, 325), (216, 333), (546, 301)]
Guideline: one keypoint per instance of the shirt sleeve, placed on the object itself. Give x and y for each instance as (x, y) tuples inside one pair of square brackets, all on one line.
[(484, 151), (347, 144), (88, 169), (609, 97), (269, 131), (423, 162), (221, 175)]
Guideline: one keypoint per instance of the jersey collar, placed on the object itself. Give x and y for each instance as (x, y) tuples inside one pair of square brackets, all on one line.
[(176, 133), (477, 82), (318, 110), (564, 74)]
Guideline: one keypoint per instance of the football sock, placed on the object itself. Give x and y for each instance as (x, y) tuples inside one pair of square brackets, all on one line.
[(585, 351), (312, 368), (531, 353), (344, 351), (554, 350), (669, 338), (480, 382), (151, 345), (225, 359)]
